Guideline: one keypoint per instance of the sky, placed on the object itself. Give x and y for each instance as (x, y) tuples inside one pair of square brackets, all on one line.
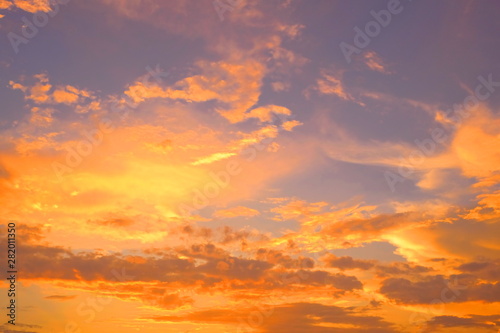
[(250, 165)]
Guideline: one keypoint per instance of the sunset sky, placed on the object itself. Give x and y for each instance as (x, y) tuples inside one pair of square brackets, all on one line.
[(263, 166)]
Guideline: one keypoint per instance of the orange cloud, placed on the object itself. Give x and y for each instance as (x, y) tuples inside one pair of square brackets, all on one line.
[(31, 6), (69, 94), (290, 125), (329, 84), (235, 84), (236, 212), (375, 63), (41, 92), (41, 116)]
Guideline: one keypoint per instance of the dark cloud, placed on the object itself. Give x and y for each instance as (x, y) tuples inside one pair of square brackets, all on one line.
[(26, 233), (20, 328), (4, 173), (401, 268), (347, 262), (370, 227), (227, 235), (114, 222), (318, 318), (488, 270), (193, 231), (470, 322), (41, 261), (317, 278), (381, 270), (61, 297), (204, 251), (457, 288), (236, 268), (206, 316), (223, 235), (276, 257), (290, 318), (168, 301)]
